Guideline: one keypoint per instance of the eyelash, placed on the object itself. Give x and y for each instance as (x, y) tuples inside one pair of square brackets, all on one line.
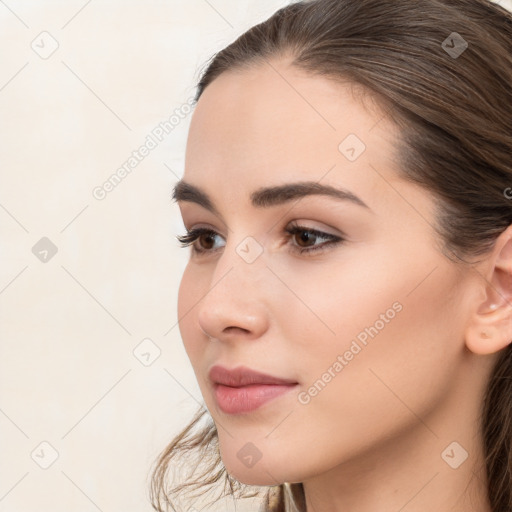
[(191, 236)]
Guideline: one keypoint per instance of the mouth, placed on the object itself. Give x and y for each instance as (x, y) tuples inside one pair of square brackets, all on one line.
[(243, 390), (247, 398)]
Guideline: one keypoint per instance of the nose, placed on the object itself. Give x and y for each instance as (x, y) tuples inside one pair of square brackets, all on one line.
[(235, 304)]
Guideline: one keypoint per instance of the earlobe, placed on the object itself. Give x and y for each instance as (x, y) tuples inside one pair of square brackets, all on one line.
[(490, 327), (486, 340)]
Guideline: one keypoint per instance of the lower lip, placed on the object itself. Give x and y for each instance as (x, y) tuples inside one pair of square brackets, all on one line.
[(247, 398)]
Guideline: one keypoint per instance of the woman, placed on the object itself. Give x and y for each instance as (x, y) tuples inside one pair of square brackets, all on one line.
[(348, 202)]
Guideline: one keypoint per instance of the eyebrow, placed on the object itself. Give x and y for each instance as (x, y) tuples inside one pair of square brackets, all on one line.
[(267, 196)]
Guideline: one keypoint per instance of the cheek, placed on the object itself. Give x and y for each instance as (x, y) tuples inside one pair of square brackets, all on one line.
[(366, 299), (403, 344), (330, 303), (399, 334)]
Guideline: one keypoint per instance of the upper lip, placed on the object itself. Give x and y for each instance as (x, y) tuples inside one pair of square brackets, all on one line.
[(243, 376)]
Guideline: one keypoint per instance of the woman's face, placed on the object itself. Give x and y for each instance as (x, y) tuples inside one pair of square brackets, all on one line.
[(371, 328)]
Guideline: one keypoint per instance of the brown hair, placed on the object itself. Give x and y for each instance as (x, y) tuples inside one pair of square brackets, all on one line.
[(454, 108)]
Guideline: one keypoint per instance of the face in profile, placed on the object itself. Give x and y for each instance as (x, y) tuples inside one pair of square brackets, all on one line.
[(316, 263)]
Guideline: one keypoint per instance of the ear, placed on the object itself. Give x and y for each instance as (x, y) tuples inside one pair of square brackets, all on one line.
[(490, 327)]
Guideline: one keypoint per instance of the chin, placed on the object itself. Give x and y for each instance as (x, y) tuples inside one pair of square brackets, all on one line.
[(263, 473)]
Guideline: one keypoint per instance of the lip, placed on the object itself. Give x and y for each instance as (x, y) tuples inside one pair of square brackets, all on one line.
[(243, 390), (243, 376)]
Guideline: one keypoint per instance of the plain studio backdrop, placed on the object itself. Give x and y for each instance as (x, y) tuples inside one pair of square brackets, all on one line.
[(94, 379)]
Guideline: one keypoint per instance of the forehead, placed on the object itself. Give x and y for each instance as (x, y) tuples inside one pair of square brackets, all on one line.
[(271, 123), (273, 103)]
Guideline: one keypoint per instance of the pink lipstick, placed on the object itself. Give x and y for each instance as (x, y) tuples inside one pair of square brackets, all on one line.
[(243, 390)]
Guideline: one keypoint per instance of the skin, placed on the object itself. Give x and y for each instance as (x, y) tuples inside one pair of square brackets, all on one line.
[(373, 437)]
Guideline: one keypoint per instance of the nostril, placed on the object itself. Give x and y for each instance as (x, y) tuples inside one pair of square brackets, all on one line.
[(233, 329)]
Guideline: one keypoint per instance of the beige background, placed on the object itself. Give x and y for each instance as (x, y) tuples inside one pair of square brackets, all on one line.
[(84, 407)]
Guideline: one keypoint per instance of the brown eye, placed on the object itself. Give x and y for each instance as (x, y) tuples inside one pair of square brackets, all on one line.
[(305, 238), (210, 242), (192, 236)]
